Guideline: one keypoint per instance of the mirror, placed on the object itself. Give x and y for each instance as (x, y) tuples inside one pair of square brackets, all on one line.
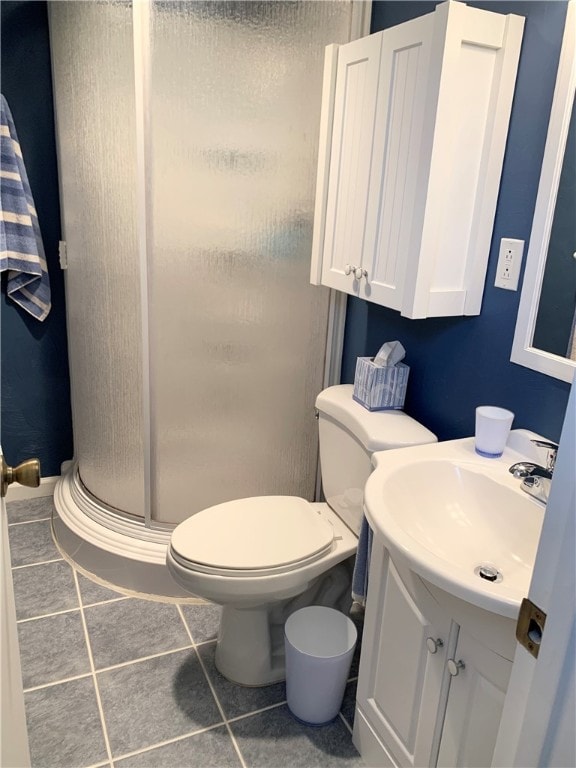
[(544, 338)]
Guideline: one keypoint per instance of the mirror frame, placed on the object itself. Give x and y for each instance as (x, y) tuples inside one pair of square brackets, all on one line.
[(523, 352)]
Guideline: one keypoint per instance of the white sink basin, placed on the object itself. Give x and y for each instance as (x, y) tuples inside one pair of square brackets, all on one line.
[(447, 512)]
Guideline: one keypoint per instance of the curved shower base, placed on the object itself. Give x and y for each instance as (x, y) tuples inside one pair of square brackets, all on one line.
[(110, 547)]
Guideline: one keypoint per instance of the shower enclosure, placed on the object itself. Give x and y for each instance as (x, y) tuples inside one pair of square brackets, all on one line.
[(187, 140)]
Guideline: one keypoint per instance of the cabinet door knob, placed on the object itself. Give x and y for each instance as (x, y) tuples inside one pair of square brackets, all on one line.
[(348, 269), (359, 273), (433, 644), (454, 667)]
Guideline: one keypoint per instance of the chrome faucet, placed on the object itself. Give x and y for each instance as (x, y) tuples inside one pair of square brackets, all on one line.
[(536, 479)]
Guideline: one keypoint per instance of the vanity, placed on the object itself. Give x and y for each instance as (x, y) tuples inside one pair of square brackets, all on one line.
[(455, 540)]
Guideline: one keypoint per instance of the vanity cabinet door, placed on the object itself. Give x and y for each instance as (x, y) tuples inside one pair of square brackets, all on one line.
[(474, 705), (402, 666)]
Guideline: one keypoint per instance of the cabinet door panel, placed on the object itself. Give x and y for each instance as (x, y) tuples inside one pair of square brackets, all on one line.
[(351, 160), (392, 218), (474, 86), (400, 681), (474, 706)]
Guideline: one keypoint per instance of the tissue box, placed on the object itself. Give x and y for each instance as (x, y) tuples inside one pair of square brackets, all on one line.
[(379, 388)]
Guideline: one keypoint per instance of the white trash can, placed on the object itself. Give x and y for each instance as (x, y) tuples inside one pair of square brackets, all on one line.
[(319, 646)]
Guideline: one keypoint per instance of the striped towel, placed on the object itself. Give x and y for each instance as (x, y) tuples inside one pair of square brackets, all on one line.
[(21, 249)]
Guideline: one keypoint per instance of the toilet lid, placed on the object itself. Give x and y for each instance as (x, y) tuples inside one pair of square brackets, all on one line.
[(262, 533)]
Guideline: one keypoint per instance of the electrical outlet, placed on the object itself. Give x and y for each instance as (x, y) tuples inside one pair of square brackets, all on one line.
[(509, 262)]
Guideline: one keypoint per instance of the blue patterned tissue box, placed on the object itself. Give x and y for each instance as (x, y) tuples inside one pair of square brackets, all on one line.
[(380, 388)]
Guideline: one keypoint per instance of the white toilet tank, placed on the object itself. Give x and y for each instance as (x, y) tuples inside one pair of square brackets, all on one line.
[(349, 435)]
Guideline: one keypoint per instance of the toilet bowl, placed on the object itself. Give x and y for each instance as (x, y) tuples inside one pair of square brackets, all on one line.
[(262, 558), (255, 569)]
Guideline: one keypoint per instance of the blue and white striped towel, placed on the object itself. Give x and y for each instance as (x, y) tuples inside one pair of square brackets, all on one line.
[(21, 248)]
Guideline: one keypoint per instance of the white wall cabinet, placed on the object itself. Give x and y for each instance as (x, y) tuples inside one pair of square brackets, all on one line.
[(413, 132), (416, 706)]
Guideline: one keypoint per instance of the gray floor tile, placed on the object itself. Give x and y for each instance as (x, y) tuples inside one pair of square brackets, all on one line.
[(274, 739), (154, 700), (212, 749), (42, 589), (92, 592), (239, 699), (52, 648), (203, 621), (32, 543), (64, 726), (29, 509), (349, 703), (132, 629)]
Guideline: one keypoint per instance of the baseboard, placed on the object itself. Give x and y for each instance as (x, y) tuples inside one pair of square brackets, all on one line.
[(20, 492)]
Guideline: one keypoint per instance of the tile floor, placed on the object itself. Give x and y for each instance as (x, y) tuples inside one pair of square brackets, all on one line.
[(115, 681)]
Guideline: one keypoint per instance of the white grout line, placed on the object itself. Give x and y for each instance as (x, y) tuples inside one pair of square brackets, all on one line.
[(346, 723), (42, 562), (47, 615), (71, 610), (105, 602), (144, 658), (216, 699), (29, 522), (93, 669), (144, 750), (257, 711), (56, 682)]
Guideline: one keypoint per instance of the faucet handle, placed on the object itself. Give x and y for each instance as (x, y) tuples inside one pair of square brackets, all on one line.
[(552, 450)]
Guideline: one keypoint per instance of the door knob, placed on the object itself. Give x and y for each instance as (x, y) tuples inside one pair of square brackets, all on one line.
[(348, 269), (26, 473), (359, 273)]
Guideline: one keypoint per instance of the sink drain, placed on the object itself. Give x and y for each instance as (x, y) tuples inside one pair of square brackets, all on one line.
[(488, 572)]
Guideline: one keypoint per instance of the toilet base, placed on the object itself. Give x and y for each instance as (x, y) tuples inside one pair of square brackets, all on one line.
[(245, 651), (250, 647)]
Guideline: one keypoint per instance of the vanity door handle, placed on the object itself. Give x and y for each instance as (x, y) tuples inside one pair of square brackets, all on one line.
[(359, 273), (348, 269), (454, 667), (433, 644)]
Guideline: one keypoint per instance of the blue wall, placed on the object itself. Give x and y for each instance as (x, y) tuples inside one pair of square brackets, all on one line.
[(459, 363), (36, 418)]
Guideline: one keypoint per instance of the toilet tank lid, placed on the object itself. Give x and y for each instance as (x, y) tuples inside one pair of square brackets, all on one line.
[(376, 430)]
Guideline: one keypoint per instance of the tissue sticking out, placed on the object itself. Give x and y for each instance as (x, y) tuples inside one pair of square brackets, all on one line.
[(390, 353)]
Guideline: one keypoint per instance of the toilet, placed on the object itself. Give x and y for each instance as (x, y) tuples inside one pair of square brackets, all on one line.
[(261, 558)]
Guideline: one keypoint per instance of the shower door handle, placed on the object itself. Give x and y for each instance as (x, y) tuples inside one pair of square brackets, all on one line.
[(26, 473)]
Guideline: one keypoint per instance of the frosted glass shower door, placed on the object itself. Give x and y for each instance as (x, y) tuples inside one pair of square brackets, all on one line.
[(237, 334), (93, 66)]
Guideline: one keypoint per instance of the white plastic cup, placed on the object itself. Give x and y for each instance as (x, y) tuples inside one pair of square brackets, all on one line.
[(492, 430), (319, 645)]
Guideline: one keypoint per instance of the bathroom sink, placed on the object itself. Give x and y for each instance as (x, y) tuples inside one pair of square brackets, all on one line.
[(458, 520)]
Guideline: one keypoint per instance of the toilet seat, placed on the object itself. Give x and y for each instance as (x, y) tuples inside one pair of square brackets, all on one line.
[(262, 535)]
